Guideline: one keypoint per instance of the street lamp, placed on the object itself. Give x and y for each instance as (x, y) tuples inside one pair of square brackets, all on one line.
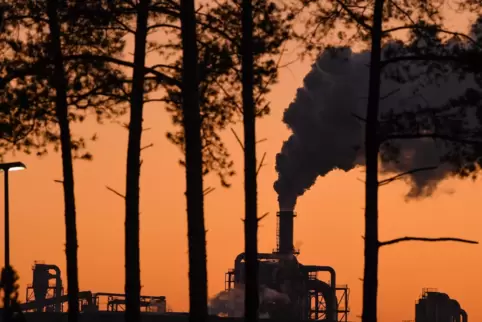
[(6, 168)]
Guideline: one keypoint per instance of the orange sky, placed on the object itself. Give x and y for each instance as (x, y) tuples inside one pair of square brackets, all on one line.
[(328, 229)]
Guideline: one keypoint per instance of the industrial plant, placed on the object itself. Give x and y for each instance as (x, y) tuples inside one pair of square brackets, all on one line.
[(296, 291), (308, 297), (293, 291), (46, 296)]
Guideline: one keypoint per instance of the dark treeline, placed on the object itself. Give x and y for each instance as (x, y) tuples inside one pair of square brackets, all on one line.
[(61, 61)]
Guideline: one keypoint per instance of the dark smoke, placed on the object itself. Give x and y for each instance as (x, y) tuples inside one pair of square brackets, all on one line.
[(327, 132)]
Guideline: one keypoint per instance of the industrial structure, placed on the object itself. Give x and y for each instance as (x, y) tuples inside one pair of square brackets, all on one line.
[(434, 306), (46, 294), (306, 297), (309, 297)]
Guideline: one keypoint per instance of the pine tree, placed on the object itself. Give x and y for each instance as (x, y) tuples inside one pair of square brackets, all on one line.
[(192, 124), (251, 297), (43, 93)]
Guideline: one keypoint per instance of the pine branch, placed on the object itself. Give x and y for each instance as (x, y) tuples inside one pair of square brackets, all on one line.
[(261, 164), (358, 117), (147, 146), (147, 70), (259, 218), (115, 192), (425, 239), (33, 68), (434, 136), (359, 19), (389, 94), (400, 175), (465, 60), (263, 216), (271, 78), (208, 191), (238, 139), (415, 26)]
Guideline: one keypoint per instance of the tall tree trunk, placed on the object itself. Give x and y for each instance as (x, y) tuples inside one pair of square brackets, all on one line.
[(194, 177), (370, 278), (2, 13), (61, 108), (132, 252), (251, 302)]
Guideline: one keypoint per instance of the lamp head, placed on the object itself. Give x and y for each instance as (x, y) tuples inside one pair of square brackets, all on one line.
[(12, 166)]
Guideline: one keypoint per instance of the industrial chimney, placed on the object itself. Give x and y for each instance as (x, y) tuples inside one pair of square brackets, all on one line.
[(285, 231)]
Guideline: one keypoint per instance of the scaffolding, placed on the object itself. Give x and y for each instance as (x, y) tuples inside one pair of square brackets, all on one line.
[(51, 294), (318, 304)]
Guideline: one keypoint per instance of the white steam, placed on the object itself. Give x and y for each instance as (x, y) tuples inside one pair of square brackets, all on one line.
[(231, 303)]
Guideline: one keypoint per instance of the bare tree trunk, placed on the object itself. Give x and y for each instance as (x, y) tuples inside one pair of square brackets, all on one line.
[(133, 171), (251, 302), (2, 13), (198, 298), (61, 109), (370, 278)]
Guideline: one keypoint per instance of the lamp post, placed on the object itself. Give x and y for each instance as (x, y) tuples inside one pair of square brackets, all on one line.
[(6, 168)]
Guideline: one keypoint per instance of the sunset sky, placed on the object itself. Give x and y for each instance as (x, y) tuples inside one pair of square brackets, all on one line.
[(328, 229)]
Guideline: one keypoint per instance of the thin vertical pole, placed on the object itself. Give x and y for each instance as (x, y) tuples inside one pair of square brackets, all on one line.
[(7, 222), (7, 282)]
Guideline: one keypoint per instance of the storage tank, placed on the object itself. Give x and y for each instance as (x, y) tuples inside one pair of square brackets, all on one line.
[(434, 306)]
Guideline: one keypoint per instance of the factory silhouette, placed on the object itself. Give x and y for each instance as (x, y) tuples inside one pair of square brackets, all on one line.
[(290, 291)]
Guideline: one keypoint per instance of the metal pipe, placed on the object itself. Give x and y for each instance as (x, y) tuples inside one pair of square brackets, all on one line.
[(330, 300), (241, 257), (331, 270), (308, 268)]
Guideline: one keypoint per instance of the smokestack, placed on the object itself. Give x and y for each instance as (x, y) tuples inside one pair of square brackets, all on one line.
[(285, 231)]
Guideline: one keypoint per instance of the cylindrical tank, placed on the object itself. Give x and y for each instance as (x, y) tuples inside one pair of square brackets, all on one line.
[(41, 277), (438, 307)]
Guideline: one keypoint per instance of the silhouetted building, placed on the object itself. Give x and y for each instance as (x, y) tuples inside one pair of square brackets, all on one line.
[(43, 295), (301, 294), (434, 306)]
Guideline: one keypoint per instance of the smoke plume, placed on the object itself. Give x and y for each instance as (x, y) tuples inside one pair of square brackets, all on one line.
[(328, 131)]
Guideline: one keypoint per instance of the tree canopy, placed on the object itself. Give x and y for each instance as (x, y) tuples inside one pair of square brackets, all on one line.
[(27, 115)]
